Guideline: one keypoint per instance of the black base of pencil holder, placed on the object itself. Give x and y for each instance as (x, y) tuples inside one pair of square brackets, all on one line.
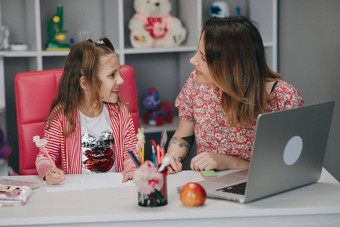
[(156, 199)]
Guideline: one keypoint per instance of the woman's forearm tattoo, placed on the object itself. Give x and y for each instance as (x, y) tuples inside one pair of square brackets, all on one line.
[(182, 146)]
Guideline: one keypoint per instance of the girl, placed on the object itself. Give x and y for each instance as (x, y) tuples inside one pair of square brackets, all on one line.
[(88, 127), (219, 103)]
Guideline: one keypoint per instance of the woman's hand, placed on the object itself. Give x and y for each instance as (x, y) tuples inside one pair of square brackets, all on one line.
[(179, 146), (175, 165), (128, 176), (209, 161), (205, 161), (53, 175)]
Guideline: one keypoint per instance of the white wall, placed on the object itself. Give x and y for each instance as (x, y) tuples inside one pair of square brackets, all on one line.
[(309, 58)]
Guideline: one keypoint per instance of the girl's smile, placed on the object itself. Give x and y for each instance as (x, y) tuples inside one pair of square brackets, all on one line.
[(109, 74)]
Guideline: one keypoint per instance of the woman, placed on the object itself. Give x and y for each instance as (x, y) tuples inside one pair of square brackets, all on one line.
[(219, 103)]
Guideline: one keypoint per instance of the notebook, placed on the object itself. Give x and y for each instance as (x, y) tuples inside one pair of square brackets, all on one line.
[(288, 152)]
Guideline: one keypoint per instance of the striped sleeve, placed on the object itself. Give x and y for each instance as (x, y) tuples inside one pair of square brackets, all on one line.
[(130, 140), (54, 136)]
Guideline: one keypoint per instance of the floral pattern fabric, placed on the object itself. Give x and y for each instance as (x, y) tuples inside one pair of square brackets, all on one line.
[(202, 103)]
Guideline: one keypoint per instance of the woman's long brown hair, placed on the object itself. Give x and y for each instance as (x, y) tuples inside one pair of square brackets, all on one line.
[(236, 60), (83, 60)]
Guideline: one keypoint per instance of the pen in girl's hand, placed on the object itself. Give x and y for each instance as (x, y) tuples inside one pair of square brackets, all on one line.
[(53, 175), (134, 158), (41, 143)]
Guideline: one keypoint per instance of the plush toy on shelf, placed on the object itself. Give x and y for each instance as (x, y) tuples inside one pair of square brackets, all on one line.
[(220, 9), (4, 36), (157, 111), (153, 26)]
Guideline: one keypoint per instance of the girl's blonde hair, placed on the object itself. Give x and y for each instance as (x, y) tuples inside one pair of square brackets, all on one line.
[(235, 56), (83, 60)]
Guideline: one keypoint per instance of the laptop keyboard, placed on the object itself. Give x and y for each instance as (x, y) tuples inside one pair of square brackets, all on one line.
[(236, 189)]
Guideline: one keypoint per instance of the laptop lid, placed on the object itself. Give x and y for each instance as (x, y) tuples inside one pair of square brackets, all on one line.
[(288, 152), (289, 149)]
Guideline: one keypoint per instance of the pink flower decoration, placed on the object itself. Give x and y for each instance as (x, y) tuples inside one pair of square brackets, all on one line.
[(147, 179)]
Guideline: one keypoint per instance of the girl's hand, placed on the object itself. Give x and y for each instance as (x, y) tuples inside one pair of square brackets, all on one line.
[(128, 176), (175, 166), (53, 175)]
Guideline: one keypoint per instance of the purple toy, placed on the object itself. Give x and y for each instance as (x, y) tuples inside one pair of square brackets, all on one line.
[(158, 111), (5, 149)]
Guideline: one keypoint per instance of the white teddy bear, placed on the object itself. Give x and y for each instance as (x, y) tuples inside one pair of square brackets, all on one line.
[(153, 26)]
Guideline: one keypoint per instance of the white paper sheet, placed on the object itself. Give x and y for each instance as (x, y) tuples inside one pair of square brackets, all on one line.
[(75, 182)]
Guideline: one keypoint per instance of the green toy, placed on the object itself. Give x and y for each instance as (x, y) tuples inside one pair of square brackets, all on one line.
[(57, 35)]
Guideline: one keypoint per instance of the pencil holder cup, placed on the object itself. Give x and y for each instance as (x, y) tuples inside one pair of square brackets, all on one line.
[(151, 185)]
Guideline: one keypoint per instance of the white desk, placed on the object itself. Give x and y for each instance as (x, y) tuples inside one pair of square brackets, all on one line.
[(314, 205)]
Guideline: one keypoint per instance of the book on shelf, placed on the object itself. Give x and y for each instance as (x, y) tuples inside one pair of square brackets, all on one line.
[(14, 195)]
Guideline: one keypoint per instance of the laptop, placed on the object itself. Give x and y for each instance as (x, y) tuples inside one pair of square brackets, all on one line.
[(288, 152)]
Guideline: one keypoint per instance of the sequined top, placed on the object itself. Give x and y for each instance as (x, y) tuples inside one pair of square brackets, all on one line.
[(69, 149)]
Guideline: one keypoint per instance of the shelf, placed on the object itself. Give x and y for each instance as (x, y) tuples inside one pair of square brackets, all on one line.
[(268, 44), (55, 53), (2, 108), (159, 129), (159, 50), (3, 167), (18, 53), (129, 50)]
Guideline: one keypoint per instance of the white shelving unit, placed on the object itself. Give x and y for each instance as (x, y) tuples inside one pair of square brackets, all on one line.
[(155, 129), (154, 67), (3, 167), (3, 118)]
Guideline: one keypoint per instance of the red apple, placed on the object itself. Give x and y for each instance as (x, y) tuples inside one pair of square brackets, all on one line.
[(193, 194)]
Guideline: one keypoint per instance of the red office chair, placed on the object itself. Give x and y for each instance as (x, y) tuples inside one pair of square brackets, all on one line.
[(34, 93)]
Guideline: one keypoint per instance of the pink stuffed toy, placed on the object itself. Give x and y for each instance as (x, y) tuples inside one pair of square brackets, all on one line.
[(153, 26)]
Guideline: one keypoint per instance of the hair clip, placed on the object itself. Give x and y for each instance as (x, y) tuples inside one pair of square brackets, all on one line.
[(100, 42)]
